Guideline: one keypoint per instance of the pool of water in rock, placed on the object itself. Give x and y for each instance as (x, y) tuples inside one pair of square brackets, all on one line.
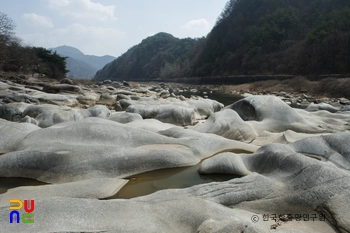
[(141, 184), (150, 182)]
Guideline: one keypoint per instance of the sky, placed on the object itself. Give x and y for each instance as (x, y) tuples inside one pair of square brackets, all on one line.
[(108, 27)]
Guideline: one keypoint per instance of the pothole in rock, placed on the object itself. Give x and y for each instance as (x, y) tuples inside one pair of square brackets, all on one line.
[(141, 184), (173, 178)]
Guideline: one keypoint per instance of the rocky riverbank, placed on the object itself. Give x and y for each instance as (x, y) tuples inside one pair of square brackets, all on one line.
[(87, 139)]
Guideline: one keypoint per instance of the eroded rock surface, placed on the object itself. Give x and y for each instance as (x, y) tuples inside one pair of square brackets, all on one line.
[(64, 138), (95, 148), (258, 117), (310, 174)]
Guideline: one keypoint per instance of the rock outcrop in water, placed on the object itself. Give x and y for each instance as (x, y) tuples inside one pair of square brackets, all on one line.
[(84, 149)]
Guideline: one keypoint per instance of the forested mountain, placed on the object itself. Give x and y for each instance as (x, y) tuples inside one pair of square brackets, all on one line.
[(278, 37), (300, 37), (161, 55), (81, 65)]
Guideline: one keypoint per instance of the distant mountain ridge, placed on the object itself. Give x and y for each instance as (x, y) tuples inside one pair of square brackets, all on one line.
[(81, 65)]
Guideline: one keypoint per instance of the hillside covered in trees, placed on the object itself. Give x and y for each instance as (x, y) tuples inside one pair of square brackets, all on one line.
[(297, 37), (158, 56), (14, 57)]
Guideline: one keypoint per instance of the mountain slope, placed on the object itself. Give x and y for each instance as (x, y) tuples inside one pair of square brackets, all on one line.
[(161, 55), (276, 37), (81, 65), (251, 37)]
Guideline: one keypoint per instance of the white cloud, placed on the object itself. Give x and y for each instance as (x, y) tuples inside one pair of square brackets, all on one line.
[(89, 39), (38, 20), (83, 9), (197, 25)]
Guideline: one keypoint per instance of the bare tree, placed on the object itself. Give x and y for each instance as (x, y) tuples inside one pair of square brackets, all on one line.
[(8, 41), (7, 25)]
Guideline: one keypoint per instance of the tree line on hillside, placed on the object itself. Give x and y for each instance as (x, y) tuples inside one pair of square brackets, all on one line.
[(297, 37), (161, 55), (14, 57)]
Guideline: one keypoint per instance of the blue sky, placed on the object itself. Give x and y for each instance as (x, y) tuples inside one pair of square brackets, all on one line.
[(100, 27)]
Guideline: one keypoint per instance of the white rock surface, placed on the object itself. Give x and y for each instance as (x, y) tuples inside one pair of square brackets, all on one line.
[(91, 188), (98, 148)]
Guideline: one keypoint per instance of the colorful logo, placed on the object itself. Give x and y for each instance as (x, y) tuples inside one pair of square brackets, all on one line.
[(27, 217)]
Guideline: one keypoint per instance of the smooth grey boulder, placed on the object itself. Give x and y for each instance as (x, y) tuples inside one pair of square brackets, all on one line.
[(172, 110), (329, 122), (126, 102), (224, 163), (228, 124), (62, 88), (67, 81), (332, 147), (20, 105), (269, 113), (125, 117), (321, 106), (204, 107), (173, 215), (13, 98), (12, 134), (177, 115), (4, 86), (48, 115), (122, 96), (344, 101), (28, 119), (35, 110), (309, 175), (48, 119), (106, 99), (88, 98), (124, 92), (100, 148), (10, 113), (96, 111), (260, 108), (151, 125), (56, 99), (345, 108), (91, 188)]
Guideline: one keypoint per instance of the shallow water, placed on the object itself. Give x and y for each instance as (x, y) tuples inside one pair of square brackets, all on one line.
[(13, 182), (221, 97), (141, 184), (150, 182)]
